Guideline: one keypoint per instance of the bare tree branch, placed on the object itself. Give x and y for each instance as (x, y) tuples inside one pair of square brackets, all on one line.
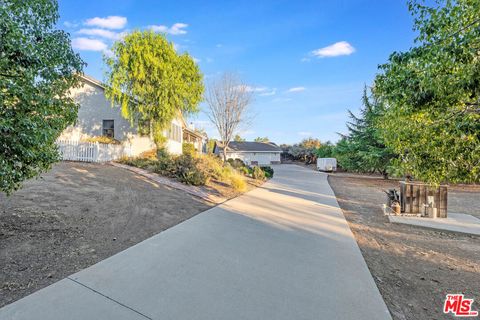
[(228, 99)]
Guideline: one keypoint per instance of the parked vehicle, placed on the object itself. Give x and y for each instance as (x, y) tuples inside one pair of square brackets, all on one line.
[(327, 164)]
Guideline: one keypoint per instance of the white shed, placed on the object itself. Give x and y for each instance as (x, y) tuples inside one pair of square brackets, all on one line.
[(252, 153)]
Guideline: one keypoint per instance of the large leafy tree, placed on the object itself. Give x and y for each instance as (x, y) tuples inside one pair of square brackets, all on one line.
[(151, 81), (432, 94), (37, 69)]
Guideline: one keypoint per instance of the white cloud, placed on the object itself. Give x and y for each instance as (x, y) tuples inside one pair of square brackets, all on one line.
[(262, 91), (219, 45), (100, 33), (341, 48), (196, 60), (88, 44), (296, 89), (305, 133), (176, 29), (110, 22), (269, 93)]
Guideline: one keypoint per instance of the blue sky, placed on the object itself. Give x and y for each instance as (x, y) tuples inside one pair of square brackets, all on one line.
[(307, 60)]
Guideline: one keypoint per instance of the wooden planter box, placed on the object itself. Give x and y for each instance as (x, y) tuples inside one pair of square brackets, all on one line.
[(414, 197)]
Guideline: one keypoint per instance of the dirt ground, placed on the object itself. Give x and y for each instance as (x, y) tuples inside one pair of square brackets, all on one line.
[(76, 215), (413, 267)]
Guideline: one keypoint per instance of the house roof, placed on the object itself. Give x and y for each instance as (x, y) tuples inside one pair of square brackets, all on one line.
[(249, 146), (92, 80), (193, 132)]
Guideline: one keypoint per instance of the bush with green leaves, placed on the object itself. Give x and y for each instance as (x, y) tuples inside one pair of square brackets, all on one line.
[(144, 163), (194, 170), (258, 173), (246, 171), (38, 68), (268, 171), (165, 166), (188, 148), (186, 171), (211, 164), (236, 163), (326, 150)]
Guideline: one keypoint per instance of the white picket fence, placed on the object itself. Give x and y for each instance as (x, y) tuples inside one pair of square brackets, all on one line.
[(74, 150)]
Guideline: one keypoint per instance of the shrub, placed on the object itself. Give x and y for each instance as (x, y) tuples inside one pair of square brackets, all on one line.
[(210, 164), (258, 173), (165, 166), (150, 154), (236, 163), (227, 172), (102, 139), (162, 153), (188, 149), (268, 171), (238, 182), (246, 171), (186, 171), (143, 163)]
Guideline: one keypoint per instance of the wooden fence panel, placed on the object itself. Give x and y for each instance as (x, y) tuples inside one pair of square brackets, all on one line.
[(414, 198)]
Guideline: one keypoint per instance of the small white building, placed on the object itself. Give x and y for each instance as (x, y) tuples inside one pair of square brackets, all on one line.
[(97, 117), (252, 153)]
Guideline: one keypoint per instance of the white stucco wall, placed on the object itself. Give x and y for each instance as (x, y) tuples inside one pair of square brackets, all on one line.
[(175, 147), (263, 158), (94, 108)]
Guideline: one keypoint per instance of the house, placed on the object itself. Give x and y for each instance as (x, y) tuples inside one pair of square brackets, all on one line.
[(97, 117), (251, 153), (190, 135)]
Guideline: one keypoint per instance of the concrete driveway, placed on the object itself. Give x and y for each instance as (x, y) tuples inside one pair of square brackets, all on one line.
[(281, 251)]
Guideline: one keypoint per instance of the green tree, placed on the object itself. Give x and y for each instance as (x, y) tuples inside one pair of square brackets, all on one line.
[(261, 139), (326, 150), (363, 148), (432, 94), (151, 81), (237, 138), (211, 145), (37, 69), (346, 154)]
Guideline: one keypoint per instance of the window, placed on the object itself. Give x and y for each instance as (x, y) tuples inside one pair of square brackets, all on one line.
[(175, 133), (108, 129)]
